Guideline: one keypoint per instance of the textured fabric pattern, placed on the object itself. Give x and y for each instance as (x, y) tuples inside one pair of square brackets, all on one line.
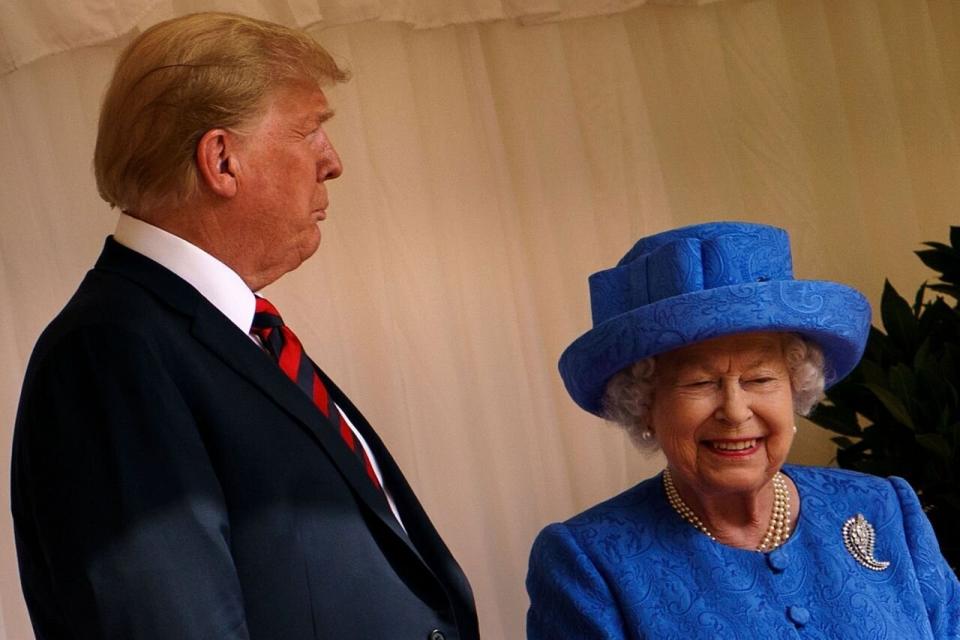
[(703, 281), (631, 568)]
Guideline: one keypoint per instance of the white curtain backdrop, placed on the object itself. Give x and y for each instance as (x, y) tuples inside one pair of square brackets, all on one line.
[(30, 29), (495, 154)]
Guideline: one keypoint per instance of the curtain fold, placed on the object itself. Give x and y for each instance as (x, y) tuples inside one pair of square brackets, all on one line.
[(31, 29), (489, 168)]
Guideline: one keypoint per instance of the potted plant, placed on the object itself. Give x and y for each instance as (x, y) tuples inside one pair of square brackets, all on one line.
[(898, 412)]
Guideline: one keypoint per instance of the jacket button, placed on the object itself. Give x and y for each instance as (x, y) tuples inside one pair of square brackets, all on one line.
[(798, 615), (436, 634), (778, 559)]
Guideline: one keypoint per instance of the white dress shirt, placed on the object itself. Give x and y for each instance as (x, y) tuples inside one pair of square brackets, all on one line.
[(216, 282)]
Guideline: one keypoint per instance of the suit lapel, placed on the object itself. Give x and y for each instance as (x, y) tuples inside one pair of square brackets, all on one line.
[(244, 357), (215, 332), (420, 529)]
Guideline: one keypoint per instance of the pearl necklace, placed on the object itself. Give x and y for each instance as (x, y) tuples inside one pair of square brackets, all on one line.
[(777, 531)]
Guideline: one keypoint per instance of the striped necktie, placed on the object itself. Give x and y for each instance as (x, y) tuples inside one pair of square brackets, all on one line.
[(281, 343)]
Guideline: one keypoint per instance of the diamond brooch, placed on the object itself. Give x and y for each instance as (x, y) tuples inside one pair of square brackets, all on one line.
[(858, 538)]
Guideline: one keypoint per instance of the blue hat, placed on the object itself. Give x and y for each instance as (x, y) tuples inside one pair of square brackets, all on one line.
[(699, 282)]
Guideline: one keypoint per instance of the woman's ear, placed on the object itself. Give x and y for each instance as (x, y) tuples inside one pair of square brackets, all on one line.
[(216, 163)]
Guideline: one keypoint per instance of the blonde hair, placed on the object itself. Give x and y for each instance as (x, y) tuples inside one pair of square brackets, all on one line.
[(178, 80), (628, 396)]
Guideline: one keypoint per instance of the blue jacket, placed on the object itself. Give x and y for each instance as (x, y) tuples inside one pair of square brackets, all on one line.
[(630, 567)]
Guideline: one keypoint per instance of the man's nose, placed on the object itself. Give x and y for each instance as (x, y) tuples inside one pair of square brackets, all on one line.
[(329, 167), (734, 408)]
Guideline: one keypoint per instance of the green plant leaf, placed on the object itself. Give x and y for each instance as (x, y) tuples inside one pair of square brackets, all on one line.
[(906, 390), (842, 420), (879, 347), (953, 500), (938, 321), (923, 358), (898, 319), (951, 290), (950, 430), (949, 365), (873, 373), (943, 256), (902, 382), (936, 398), (918, 300), (892, 404), (842, 441), (938, 246), (853, 456), (936, 444)]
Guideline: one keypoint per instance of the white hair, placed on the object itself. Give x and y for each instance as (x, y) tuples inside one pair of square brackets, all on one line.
[(628, 396)]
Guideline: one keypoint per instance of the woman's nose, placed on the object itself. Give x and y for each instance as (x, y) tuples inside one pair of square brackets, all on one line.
[(734, 407)]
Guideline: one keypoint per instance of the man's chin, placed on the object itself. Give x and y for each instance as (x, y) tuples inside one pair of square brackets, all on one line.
[(309, 247)]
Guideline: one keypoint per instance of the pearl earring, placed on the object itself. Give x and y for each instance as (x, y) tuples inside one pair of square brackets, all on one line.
[(794, 428), (646, 435)]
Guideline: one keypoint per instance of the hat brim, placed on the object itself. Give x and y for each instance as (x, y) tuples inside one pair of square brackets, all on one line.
[(834, 316)]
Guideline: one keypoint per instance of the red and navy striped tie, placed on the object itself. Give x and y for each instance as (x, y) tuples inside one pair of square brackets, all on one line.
[(283, 345)]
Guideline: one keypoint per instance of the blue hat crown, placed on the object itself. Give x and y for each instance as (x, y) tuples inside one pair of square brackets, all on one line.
[(689, 259), (704, 281)]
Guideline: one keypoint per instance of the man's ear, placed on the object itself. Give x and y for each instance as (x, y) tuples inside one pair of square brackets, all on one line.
[(216, 162)]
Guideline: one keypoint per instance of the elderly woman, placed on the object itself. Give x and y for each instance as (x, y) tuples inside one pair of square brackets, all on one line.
[(706, 347)]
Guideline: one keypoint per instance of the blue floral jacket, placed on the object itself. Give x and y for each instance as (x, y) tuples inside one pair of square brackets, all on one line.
[(630, 567)]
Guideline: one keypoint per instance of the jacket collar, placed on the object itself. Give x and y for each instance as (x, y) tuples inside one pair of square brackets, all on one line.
[(222, 337)]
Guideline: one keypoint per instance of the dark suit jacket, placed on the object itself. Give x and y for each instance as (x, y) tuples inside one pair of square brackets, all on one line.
[(170, 482)]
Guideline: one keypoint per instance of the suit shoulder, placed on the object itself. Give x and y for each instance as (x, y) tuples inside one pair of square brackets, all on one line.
[(104, 305), (629, 504), (833, 476), (636, 506), (841, 491), (105, 297), (615, 533)]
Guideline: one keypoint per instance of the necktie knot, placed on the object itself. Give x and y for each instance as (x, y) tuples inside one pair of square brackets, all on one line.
[(268, 326), (265, 317)]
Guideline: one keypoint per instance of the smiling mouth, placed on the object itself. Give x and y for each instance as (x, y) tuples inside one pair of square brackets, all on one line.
[(733, 446)]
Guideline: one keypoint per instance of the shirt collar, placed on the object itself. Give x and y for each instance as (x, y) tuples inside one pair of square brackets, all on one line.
[(215, 281)]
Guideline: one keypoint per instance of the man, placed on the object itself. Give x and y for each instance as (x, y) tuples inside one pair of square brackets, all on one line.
[(179, 469)]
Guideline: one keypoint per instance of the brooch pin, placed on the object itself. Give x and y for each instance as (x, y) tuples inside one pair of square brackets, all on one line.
[(858, 538)]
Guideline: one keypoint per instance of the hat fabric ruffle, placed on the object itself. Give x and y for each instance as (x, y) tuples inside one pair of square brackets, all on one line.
[(691, 284)]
